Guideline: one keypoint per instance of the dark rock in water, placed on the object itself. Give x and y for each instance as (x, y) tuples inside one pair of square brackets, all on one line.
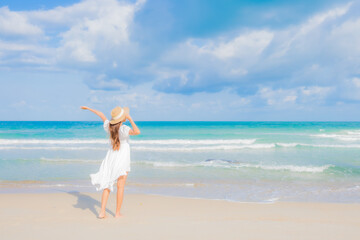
[(209, 160)]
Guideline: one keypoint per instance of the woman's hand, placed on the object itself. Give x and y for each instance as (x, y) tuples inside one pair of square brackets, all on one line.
[(135, 130), (85, 108), (127, 116)]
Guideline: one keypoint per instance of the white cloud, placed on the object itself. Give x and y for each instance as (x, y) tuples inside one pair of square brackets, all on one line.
[(318, 19), (319, 52), (152, 105), (67, 16), (23, 53), (244, 48), (14, 23), (204, 63), (9, 46), (96, 36), (245, 45), (294, 96), (105, 31), (316, 90), (302, 33), (103, 82), (347, 37), (356, 82), (278, 97), (89, 32)]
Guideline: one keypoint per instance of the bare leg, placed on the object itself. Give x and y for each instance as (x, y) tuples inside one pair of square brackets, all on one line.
[(104, 199), (120, 194)]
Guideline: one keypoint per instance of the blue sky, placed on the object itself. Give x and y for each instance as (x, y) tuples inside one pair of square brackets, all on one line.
[(181, 60)]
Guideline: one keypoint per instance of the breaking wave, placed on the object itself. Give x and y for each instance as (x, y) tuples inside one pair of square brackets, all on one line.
[(45, 141), (136, 142), (238, 165), (185, 148), (342, 136)]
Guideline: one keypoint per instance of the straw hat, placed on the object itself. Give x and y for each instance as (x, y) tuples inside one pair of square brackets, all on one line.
[(118, 114)]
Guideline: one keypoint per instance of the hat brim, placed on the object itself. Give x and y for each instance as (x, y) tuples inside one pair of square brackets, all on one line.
[(122, 119)]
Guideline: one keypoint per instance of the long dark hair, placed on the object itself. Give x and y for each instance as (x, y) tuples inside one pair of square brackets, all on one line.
[(114, 135)]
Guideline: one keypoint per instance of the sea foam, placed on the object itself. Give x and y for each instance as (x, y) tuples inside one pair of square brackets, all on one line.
[(185, 148), (136, 142), (50, 141), (342, 136), (204, 148), (237, 165), (194, 142)]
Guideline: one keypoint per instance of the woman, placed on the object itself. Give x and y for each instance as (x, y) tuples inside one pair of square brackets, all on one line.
[(116, 165)]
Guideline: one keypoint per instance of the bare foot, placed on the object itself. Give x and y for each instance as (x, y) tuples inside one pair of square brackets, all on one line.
[(118, 215), (102, 216)]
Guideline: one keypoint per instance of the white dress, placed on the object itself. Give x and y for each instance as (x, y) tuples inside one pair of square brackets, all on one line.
[(116, 163)]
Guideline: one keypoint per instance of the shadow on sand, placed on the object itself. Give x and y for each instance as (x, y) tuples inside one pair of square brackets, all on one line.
[(86, 202)]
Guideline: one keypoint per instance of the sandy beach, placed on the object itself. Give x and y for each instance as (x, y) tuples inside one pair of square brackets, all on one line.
[(74, 216)]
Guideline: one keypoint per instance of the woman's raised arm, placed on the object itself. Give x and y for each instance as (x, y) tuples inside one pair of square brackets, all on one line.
[(100, 114), (135, 130)]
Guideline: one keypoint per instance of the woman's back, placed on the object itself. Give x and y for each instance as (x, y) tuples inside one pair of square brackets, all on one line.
[(123, 132)]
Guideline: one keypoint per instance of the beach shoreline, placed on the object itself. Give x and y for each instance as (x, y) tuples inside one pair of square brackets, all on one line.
[(239, 161), (74, 214), (156, 189)]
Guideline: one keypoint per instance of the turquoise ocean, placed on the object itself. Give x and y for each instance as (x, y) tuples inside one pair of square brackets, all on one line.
[(237, 161)]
